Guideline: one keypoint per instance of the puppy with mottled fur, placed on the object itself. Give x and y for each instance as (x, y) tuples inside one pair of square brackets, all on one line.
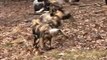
[(40, 6), (45, 32), (45, 27)]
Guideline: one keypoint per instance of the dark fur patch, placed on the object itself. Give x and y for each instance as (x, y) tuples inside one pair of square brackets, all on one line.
[(66, 16)]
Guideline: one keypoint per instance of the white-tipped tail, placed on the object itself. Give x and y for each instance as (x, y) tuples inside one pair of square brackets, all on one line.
[(40, 10), (54, 30)]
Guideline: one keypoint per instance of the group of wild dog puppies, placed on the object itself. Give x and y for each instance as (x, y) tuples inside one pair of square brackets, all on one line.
[(47, 26)]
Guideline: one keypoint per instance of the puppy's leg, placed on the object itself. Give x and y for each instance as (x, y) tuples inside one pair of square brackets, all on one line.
[(36, 43), (50, 42), (41, 41), (42, 44), (36, 37)]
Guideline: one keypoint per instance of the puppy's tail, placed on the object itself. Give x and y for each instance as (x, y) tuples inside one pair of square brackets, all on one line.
[(60, 31)]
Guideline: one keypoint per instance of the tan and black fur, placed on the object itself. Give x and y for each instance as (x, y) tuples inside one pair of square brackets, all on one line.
[(45, 35), (42, 25)]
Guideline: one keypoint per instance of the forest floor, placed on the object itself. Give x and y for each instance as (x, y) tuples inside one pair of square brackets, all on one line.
[(87, 31)]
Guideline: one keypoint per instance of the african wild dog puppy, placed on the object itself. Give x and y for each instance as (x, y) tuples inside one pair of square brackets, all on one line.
[(46, 32), (40, 6)]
